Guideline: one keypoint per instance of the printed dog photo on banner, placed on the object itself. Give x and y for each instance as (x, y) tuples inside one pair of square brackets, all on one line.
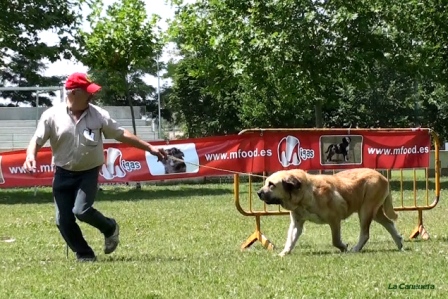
[(340, 149), (185, 152)]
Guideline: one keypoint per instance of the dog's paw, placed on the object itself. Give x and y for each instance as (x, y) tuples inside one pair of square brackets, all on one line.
[(283, 253), (341, 246), (355, 249), (399, 242)]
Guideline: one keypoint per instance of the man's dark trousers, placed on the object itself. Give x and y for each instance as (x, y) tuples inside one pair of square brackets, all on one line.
[(74, 193)]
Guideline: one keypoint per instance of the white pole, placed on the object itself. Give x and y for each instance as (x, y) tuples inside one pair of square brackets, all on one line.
[(158, 97)]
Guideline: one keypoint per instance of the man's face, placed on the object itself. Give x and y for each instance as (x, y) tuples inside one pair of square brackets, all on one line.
[(82, 97)]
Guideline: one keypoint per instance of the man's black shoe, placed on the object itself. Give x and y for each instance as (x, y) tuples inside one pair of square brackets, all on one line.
[(85, 258)]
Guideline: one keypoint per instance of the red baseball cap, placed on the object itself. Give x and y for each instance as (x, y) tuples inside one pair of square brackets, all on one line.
[(81, 80)]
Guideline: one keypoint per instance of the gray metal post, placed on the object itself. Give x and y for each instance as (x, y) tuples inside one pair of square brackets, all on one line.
[(35, 88), (158, 98), (37, 108), (37, 123), (62, 94)]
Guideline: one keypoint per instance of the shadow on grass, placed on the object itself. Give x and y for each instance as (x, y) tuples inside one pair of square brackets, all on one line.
[(366, 250), (43, 196), (26, 196), (442, 239), (140, 258)]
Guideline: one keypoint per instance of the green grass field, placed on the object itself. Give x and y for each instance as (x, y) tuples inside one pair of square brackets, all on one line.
[(183, 241)]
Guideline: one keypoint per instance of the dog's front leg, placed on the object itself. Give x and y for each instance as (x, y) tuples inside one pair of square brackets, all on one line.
[(294, 232)]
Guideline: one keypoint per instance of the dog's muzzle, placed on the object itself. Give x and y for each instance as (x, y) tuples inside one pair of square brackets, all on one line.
[(264, 196)]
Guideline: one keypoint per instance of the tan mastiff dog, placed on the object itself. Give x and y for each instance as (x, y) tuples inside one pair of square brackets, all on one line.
[(328, 199)]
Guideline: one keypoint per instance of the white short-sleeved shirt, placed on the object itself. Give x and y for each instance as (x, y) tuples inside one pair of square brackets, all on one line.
[(76, 146)]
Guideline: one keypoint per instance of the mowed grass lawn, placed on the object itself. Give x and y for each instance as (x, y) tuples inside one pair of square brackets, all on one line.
[(183, 241)]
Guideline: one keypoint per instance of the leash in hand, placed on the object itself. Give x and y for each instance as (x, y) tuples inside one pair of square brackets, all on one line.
[(216, 168)]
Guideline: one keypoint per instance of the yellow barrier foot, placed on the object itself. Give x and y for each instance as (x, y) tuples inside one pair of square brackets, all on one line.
[(419, 230), (266, 243), (258, 236)]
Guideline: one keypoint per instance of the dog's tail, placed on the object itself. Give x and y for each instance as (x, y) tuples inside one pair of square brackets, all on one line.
[(328, 148), (389, 208)]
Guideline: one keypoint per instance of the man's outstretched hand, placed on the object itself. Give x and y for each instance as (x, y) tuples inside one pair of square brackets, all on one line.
[(159, 153)]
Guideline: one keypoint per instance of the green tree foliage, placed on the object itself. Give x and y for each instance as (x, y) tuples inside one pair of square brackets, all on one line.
[(283, 54), (21, 71), (304, 63), (152, 106), (113, 88), (422, 27), (22, 53), (202, 112), (123, 46)]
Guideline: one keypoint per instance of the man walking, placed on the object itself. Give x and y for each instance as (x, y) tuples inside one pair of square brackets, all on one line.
[(74, 129)]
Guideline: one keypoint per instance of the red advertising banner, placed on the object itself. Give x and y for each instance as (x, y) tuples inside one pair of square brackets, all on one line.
[(252, 152)]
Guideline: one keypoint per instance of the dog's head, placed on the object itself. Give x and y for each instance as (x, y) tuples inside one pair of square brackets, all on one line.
[(175, 152), (285, 188), (346, 140)]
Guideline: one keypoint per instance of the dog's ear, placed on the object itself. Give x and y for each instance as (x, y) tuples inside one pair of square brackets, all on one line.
[(179, 152), (291, 183)]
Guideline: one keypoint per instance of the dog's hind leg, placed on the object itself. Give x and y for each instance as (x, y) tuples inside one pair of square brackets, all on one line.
[(389, 225), (336, 236), (365, 220)]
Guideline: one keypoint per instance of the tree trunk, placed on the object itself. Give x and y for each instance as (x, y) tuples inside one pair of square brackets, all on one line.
[(132, 115), (318, 114), (130, 103)]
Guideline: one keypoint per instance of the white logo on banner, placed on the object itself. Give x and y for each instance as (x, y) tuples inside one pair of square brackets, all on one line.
[(290, 153), (115, 166)]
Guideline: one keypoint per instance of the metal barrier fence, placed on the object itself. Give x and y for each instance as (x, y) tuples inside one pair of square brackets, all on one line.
[(422, 182)]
